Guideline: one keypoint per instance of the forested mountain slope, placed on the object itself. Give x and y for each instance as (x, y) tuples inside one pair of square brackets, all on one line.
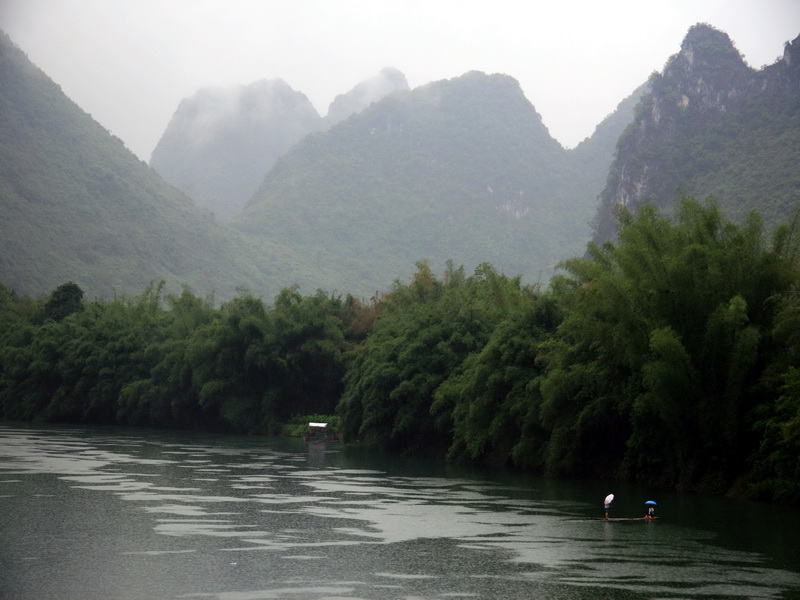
[(76, 205), (462, 169), (712, 126), (221, 142)]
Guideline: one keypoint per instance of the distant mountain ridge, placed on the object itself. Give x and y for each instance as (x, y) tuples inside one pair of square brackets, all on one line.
[(76, 205), (462, 169), (221, 142), (388, 81), (712, 126), (475, 177)]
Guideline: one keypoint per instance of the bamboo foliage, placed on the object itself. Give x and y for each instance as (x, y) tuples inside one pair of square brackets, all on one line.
[(669, 357)]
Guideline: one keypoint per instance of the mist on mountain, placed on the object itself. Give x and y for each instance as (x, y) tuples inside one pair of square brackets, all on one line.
[(221, 142), (371, 90), (461, 169), (78, 206)]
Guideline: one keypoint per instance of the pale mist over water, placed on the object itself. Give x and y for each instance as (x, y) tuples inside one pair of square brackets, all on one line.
[(129, 514)]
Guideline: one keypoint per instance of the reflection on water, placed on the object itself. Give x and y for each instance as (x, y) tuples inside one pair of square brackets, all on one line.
[(90, 513)]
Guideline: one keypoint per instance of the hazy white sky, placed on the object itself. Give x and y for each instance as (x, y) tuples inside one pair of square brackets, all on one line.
[(130, 62)]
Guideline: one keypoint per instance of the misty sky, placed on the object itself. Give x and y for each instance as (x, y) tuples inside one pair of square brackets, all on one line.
[(130, 62)]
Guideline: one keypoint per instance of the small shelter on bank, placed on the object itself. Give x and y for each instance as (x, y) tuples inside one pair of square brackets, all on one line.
[(319, 432)]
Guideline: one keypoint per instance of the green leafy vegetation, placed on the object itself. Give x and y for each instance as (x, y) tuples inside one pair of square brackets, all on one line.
[(175, 361), (423, 334), (669, 358), (462, 169), (77, 205), (668, 355)]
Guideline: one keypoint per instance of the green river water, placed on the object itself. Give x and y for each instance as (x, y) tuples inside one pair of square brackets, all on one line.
[(100, 513)]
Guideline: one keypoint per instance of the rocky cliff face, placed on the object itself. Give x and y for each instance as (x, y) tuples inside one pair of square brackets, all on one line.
[(702, 108)]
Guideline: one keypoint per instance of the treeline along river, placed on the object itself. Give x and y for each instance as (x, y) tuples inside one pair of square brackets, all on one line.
[(107, 513), (668, 359)]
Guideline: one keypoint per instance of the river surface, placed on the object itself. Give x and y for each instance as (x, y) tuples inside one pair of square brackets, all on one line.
[(91, 513)]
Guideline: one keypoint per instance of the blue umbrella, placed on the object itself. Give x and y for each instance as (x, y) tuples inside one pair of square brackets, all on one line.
[(650, 502)]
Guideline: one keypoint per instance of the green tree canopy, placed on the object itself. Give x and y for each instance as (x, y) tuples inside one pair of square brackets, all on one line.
[(651, 372), (64, 300)]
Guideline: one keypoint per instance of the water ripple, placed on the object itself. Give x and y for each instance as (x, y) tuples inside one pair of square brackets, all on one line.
[(164, 515)]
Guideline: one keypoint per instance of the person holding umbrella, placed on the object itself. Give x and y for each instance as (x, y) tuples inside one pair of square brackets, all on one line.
[(607, 503), (651, 510)]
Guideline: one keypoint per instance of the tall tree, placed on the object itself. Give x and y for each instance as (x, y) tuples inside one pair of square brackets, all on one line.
[(661, 344), (64, 300), (426, 329)]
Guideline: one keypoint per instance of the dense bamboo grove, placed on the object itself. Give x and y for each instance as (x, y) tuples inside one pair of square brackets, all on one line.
[(670, 356)]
